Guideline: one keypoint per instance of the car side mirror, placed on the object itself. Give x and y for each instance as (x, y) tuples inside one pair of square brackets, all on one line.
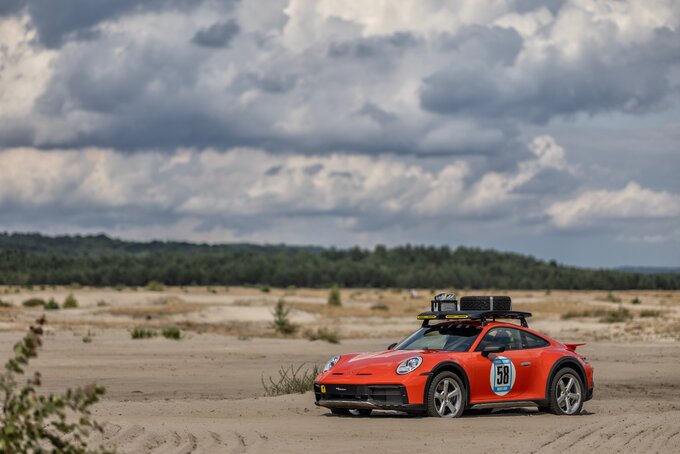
[(492, 348), (391, 346)]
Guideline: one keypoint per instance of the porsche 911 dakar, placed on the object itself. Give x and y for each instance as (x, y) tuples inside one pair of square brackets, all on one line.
[(467, 355)]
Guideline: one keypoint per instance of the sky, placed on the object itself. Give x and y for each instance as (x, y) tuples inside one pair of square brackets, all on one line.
[(549, 128)]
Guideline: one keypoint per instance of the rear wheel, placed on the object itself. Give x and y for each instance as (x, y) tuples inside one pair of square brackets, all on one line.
[(446, 396), (566, 393)]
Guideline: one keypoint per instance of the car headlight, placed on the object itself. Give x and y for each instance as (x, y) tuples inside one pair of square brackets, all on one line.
[(332, 362), (409, 365)]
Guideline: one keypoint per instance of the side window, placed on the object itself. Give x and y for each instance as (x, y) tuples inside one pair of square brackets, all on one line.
[(507, 337), (531, 341)]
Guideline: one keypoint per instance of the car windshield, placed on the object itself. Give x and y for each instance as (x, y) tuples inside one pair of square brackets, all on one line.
[(453, 338)]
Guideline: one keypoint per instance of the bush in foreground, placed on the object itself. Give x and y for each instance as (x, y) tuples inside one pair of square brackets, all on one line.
[(36, 423), (291, 380)]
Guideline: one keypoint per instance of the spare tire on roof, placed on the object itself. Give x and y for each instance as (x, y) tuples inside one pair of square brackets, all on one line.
[(485, 303)]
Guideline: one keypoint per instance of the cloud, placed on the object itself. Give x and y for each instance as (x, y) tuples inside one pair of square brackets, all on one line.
[(558, 69), (322, 77), (250, 188), (632, 203), (353, 121), (59, 22), (217, 35)]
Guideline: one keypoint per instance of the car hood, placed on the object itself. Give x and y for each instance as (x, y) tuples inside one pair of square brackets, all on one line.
[(374, 362)]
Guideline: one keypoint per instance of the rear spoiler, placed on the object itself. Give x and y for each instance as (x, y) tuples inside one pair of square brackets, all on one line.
[(572, 347)]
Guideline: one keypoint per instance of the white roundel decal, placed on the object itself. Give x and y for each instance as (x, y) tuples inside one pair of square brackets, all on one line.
[(502, 376)]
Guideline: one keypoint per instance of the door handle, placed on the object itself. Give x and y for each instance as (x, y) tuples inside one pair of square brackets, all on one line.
[(526, 363)]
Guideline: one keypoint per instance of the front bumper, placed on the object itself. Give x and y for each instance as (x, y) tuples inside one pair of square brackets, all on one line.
[(373, 397)]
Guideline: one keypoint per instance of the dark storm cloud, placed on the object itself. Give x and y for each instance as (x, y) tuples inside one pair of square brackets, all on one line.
[(217, 35), (632, 79), (373, 47), (63, 20)]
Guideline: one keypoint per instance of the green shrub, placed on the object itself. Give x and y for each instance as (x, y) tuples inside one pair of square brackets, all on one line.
[(34, 302), (323, 334), (620, 315), (52, 305), (119, 287), (142, 333), (88, 337), (380, 307), (281, 323), (5, 304), (264, 288), (291, 380), (102, 303), (636, 300), (32, 422), (70, 302), (172, 332), (155, 286), (334, 298), (75, 286)]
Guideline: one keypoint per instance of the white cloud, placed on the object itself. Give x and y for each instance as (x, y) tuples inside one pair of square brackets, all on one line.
[(244, 186), (632, 203)]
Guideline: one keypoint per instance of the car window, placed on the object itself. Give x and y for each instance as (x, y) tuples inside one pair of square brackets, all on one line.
[(453, 338), (507, 337), (532, 341)]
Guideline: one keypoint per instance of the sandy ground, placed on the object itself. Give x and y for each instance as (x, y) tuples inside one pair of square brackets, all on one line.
[(204, 392)]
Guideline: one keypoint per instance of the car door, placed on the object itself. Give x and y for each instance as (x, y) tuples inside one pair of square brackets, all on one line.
[(504, 376)]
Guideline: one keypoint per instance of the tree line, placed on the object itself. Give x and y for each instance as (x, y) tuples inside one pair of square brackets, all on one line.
[(33, 259)]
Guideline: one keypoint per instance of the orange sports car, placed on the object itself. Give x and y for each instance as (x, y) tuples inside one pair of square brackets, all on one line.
[(464, 357)]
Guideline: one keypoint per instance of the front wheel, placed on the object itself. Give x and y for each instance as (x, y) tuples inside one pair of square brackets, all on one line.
[(446, 396), (566, 393), (340, 411)]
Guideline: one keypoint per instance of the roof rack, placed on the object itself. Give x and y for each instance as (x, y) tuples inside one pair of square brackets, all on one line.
[(474, 315)]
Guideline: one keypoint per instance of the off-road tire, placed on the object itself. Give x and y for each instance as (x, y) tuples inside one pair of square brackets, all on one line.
[(340, 411), (553, 405), (432, 407)]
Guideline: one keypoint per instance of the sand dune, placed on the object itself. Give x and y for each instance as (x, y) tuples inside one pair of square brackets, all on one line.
[(204, 393)]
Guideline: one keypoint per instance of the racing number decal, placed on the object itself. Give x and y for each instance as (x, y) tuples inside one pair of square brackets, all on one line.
[(502, 376)]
